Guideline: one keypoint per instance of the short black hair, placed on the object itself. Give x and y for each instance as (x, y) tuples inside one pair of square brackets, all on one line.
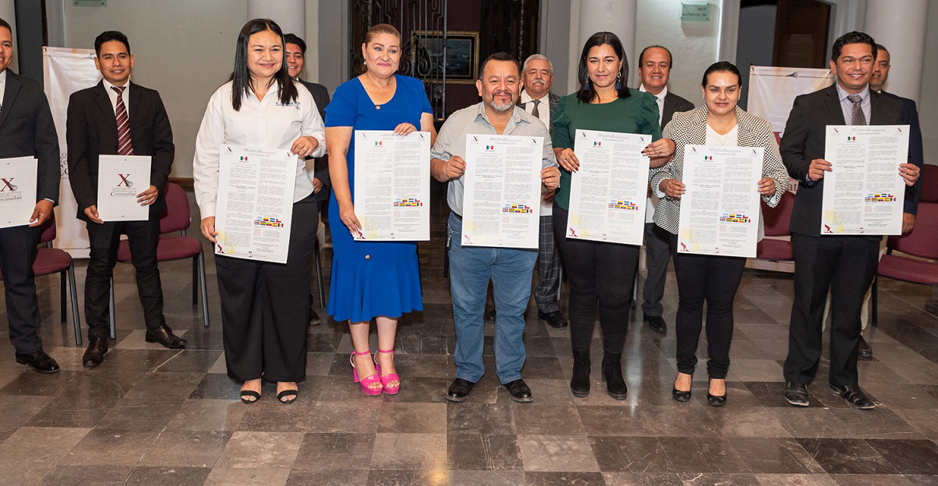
[(641, 57), (880, 47), (293, 39), (108, 36), (4, 23), (852, 38), (499, 56), (721, 67)]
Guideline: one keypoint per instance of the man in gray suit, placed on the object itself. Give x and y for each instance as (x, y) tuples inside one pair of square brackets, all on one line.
[(654, 69), (295, 51), (538, 75)]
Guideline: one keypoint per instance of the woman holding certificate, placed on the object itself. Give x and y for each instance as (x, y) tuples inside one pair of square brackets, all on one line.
[(372, 280), (599, 272), (707, 277), (265, 305)]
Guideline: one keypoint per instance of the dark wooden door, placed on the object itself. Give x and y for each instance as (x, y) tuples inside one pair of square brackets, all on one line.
[(801, 34)]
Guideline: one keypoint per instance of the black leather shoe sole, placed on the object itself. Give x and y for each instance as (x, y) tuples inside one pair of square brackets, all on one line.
[(519, 398), (681, 396), (716, 401), (554, 320), (856, 400), (181, 344), (797, 397), (45, 371), (656, 324), (462, 393)]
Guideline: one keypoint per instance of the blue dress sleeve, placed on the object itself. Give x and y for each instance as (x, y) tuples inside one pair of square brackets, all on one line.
[(342, 109)]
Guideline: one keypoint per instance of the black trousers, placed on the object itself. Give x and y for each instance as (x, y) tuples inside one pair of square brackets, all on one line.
[(845, 266), (657, 255), (142, 237), (600, 273), (17, 254), (714, 279), (265, 307)]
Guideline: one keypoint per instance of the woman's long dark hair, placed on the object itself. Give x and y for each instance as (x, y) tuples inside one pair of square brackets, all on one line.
[(241, 77), (585, 94)]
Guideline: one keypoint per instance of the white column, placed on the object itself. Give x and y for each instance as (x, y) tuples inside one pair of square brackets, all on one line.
[(616, 16), (900, 25), (290, 15), (8, 13)]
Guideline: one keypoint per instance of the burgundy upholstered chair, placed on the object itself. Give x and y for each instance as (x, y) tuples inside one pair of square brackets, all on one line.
[(922, 242)]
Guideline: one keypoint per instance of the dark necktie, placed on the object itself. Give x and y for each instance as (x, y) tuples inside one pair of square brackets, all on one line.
[(535, 112), (124, 147), (858, 117)]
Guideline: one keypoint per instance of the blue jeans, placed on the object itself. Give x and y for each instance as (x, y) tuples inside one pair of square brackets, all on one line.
[(470, 270)]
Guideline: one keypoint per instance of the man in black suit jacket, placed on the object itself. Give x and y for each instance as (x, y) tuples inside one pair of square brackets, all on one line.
[(295, 52), (26, 130), (843, 265), (654, 69), (96, 126)]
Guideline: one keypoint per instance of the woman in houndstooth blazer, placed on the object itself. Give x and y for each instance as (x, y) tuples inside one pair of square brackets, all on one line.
[(705, 277)]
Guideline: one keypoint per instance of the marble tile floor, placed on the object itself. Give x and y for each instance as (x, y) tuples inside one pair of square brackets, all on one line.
[(154, 416)]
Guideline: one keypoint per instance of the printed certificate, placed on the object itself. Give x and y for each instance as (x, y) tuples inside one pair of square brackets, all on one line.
[(255, 203), (17, 190), (864, 193), (120, 179), (502, 197), (720, 207), (609, 192), (392, 185)]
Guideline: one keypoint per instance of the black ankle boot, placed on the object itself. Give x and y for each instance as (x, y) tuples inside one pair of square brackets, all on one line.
[(612, 375), (580, 382)]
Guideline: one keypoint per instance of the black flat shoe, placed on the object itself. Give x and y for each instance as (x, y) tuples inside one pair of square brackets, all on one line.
[(796, 394), (853, 395), (290, 396), (679, 395), (864, 351), (518, 391), (657, 324), (39, 362), (94, 354), (714, 400), (553, 319), (164, 335), (459, 391), (247, 395)]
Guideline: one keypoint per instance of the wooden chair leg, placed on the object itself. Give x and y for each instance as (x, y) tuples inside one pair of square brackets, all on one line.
[(73, 292)]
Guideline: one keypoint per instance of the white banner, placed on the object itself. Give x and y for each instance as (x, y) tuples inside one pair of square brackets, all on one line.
[(772, 91), (66, 71)]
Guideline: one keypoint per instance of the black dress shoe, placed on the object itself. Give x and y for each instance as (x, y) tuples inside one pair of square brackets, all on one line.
[(459, 391), (714, 400), (94, 355), (657, 324), (164, 335), (554, 319), (864, 351), (313, 316), (681, 396), (38, 361), (518, 391), (796, 394), (854, 396), (490, 316)]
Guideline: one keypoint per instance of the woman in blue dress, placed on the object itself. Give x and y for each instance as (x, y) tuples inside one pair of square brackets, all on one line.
[(377, 280)]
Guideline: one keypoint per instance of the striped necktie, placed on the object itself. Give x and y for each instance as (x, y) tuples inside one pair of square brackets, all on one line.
[(124, 145)]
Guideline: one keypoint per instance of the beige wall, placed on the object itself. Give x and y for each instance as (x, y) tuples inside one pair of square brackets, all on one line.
[(928, 107)]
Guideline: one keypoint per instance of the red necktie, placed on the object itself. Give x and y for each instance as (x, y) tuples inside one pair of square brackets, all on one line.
[(124, 147)]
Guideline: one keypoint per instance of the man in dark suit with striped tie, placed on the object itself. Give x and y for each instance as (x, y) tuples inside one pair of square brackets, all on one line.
[(117, 117)]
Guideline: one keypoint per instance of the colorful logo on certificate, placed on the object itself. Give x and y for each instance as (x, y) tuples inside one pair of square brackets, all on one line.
[(851, 139), (597, 143), (410, 202), (489, 148), (244, 158), (268, 222), (734, 218), (878, 197), (623, 204), (708, 157), (379, 143), (517, 209)]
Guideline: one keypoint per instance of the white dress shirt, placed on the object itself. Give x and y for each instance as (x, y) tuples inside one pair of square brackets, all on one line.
[(112, 95), (543, 112), (3, 86), (262, 123), (652, 201)]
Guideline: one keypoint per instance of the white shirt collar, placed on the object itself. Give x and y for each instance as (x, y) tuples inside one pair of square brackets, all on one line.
[(525, 97), (843, 94), (660, 96)]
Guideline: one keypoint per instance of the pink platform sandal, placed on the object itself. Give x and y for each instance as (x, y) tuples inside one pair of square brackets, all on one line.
[(385, 379), (366, 382)]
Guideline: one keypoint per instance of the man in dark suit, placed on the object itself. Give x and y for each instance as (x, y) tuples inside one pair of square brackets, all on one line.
[(295, 50), (842, 265), (117, 117), (654, 69), (26, 130)]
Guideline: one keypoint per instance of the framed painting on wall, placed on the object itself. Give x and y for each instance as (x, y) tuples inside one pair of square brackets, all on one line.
[(462, 55)]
